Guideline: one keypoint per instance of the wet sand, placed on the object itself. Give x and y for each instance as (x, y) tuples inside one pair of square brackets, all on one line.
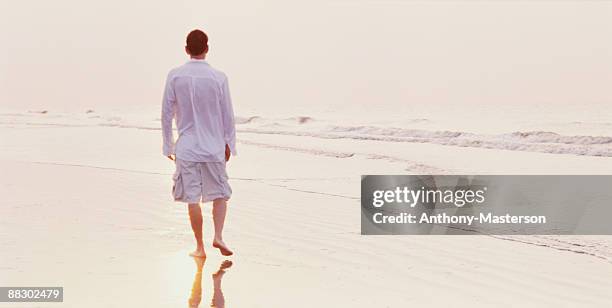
[(89, 209)]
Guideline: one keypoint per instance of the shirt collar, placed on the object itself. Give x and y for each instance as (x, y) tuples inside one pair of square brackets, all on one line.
[(197, 61)]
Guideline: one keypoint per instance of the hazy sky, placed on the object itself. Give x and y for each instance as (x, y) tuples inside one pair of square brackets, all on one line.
[(309, 55)]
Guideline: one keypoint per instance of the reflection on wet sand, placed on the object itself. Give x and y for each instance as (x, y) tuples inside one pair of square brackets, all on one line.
[(196, 290), (218, 300)]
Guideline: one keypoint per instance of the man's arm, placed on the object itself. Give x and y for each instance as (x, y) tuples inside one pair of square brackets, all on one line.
[(229, 127), (167, 115)]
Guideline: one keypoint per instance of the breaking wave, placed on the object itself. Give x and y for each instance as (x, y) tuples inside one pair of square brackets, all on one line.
[(530, 141)]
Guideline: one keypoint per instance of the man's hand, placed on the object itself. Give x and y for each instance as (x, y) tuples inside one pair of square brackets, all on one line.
[(228, 153), (171, 157)]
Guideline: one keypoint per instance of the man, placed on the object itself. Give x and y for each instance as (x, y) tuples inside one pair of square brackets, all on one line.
[(198, 96)]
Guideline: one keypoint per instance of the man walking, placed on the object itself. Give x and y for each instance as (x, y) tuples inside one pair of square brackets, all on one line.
[(198, 96)]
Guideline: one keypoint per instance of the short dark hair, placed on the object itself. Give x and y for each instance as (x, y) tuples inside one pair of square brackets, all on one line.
[(197, 42)]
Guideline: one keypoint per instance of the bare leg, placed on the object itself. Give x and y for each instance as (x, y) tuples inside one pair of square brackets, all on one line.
[(218, 300), (219, 211), (195, 216), (196, 290)]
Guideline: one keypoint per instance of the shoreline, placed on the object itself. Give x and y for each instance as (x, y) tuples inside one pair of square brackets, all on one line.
[(86, 220)]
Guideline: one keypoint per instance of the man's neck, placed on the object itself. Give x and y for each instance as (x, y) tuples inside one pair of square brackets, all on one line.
[(198, 57)]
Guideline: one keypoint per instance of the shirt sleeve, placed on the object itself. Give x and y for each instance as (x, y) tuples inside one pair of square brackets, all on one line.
[(227, 113), (167, 115)]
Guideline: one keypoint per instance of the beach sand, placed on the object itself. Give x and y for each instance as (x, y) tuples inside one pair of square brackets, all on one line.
[(89, 208)]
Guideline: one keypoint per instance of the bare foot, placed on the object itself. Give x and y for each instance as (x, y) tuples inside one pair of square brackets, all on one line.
[(199, 263), (225, 265), (222, 247), (198, 253)]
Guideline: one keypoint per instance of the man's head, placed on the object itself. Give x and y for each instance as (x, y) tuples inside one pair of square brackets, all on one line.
[(197, 44)]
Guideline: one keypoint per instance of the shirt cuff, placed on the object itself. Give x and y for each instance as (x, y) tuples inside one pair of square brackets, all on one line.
[(168, 150), (232, 147)]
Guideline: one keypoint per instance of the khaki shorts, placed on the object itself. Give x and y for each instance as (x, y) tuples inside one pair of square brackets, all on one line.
[(196, 182)]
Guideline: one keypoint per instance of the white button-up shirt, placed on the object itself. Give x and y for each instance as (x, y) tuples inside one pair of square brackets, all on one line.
[(198, 96)]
